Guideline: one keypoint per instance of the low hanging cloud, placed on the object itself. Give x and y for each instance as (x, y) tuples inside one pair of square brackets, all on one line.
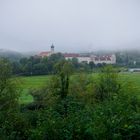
[(72, 25)]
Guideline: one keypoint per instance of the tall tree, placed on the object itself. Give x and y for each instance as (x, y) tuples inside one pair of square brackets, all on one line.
[(108, 84), (8, 92), (64, 69)]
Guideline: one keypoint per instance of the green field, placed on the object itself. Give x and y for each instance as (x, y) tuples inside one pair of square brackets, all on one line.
[(28, 83), (36, 82)]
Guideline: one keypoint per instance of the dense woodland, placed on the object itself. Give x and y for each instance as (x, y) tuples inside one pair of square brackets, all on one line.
[(44, 66), (70, 106)]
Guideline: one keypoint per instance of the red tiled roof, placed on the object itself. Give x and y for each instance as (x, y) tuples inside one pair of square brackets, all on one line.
[(103, 58), (71, 55), (44, 53), (109, 58), (96, 58)]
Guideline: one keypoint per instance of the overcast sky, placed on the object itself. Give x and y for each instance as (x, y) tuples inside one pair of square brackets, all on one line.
[(72, 25)]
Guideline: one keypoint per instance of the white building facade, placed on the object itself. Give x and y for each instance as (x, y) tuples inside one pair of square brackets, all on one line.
[(107, 59)]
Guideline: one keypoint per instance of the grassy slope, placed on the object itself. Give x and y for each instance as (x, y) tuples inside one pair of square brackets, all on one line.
[(28, 83), (35, 82), (133, 78)]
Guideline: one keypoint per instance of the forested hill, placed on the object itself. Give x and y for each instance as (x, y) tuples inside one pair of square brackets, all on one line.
[(127, 58), (12, 55)]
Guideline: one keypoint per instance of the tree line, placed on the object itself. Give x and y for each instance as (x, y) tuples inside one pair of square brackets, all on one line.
[(43, 66)]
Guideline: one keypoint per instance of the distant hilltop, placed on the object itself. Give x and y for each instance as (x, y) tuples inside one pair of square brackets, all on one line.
[(12, 55), (107, 59)]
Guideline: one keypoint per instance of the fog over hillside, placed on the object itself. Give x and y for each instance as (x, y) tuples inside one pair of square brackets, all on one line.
[(12, 55), (73, 26)]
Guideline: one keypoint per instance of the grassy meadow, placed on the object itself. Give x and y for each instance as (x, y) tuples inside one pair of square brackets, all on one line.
[(36, 82), (28, 83)]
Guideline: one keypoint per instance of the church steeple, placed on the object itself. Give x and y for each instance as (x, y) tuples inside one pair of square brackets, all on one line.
[(52, 48)]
